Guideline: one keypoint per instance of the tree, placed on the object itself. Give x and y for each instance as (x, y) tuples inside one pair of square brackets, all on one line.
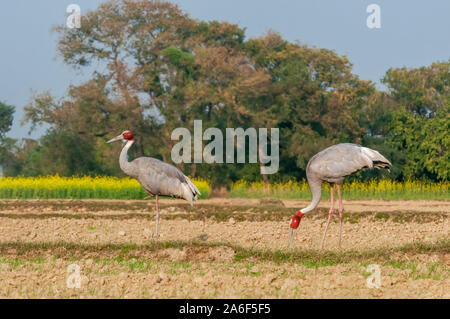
[(422, 91), (63, 153), (425, 142), (419, 127), (6, 118), (7, 160), (89, 112), (313, 98), (158, 74)]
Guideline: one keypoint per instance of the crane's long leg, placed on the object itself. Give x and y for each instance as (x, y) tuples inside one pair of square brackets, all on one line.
[(157, 218), (330, 215), (341, 212)]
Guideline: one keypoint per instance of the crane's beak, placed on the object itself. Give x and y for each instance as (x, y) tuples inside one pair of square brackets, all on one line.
[(291, 238), (117, 138), (295, 222)]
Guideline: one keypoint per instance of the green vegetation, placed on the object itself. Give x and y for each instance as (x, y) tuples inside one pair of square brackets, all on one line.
[(383, 189), (79, 188), (130, 253)]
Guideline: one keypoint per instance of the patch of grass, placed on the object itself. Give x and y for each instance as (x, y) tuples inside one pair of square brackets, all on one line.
[(384, 216), (319, 258), (137, 265), (127, 248), (420, 270), (351, 218), (366, 274), (38, 260), (134, 256), (14, 263), (176, 266)]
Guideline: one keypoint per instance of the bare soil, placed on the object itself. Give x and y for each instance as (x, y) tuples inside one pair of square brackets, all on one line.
[(222, 248)]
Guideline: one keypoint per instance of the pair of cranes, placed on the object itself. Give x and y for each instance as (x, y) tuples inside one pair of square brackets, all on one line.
[(331, 165)]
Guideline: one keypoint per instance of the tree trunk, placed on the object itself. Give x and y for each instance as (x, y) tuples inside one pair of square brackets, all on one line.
[(193, 170), (262, 166)]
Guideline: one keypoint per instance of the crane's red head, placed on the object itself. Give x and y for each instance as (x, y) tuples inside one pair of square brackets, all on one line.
[(124, 137), (295, 222), (128, 135)]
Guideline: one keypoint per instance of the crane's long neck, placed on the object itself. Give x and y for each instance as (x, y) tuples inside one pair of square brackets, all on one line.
[(123, 160), (316, 190)]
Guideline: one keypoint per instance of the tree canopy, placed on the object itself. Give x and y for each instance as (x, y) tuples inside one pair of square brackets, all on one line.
[(161, 69)]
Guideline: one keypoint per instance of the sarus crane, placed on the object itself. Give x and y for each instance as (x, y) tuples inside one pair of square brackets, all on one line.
[(156, 177), (332, 165)]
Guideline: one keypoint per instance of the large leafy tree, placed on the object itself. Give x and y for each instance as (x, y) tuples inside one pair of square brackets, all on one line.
[(313, 97), (6, 118), (7, 145), (90, 113), (63, 153), (426, 144), (423, 91), (163, 70), (419, 128)]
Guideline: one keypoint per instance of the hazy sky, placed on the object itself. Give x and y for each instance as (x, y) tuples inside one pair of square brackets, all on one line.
[(413, 33)]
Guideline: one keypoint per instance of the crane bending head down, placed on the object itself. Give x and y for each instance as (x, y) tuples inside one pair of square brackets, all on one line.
[(332, 165)]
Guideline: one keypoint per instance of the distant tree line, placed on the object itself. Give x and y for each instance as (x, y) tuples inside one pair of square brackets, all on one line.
[(159, 69)]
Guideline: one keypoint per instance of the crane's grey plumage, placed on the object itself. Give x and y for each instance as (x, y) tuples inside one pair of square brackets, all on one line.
[(332, 165), (156, 177)]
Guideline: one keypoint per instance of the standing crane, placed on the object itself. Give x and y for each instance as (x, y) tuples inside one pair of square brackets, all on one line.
[(156, 177), (332, 165)]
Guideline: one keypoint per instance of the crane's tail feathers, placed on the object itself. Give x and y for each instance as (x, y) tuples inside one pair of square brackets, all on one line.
[(192, 186), (379, 161), (382, 165), (191, 192)]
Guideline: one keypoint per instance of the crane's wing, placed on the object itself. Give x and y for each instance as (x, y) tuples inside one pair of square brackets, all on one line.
[(339, 161), (159, 178)]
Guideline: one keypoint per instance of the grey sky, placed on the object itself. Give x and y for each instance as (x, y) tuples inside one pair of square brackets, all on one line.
[(413, 33)]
